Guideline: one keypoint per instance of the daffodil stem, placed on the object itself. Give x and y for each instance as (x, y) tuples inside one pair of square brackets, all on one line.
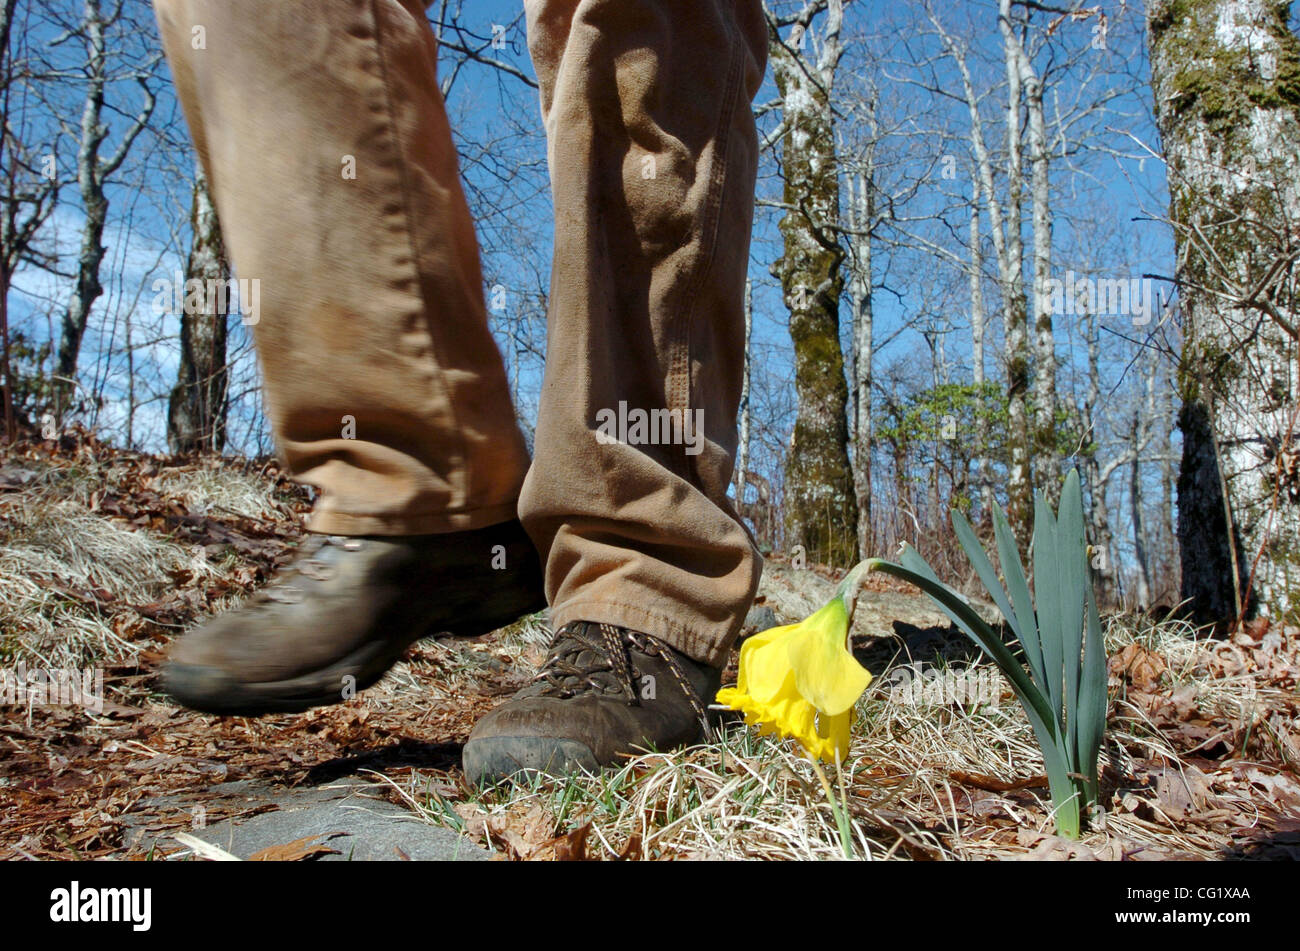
[(838, 809), (846, 833), (847, 590)]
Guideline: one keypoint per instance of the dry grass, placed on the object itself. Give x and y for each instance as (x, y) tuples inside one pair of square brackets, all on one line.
[(220, 490), (69, 577), (63, 551)]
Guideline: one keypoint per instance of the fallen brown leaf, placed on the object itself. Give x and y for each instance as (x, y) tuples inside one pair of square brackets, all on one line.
[(632, 852), (572, 846), (296, 851), (1140, 666), (992, 783)]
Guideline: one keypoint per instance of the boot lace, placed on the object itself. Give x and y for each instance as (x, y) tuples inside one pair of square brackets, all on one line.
[(587, 658), (314, 563)]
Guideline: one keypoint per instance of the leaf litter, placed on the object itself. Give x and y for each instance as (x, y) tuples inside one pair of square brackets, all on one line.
[(106, 555)]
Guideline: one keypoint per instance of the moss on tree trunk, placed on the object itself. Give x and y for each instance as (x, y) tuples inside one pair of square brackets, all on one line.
[(820, 505)]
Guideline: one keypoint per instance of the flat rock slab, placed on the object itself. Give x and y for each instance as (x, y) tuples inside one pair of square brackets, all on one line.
[(794, 593), (339, 822)]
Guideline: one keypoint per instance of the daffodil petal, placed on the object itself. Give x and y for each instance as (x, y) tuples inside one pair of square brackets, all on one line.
[(836, 731), (756, 642), (765, 664), (786, 713), (826, 673)]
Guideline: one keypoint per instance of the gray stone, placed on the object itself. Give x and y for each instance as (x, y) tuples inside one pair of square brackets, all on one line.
[(345, 816), (761, 617), (794, 594)]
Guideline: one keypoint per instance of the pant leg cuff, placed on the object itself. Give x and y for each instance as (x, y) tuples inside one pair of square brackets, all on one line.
[(708, 643), (440, 523)]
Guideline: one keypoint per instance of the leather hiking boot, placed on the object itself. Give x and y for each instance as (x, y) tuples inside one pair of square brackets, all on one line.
[(334, 620), (602, 691)]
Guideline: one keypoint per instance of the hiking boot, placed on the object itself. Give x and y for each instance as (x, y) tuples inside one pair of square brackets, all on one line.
[(603, 691), (333, 621)]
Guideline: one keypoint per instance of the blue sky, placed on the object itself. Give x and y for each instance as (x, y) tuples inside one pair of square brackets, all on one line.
[(1107, 191)]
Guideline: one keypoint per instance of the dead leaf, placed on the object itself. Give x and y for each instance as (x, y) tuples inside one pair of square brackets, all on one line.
[(1184, 701), (572, 846), (1180, 792), (1279, 787), (992, 783), (1028, 838), (632, 852), (1055, 848), (296, 851), (1256, 629), (524, 828), (1139, 665)]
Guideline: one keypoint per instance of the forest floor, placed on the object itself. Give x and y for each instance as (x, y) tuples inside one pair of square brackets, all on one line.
[(106, 555)]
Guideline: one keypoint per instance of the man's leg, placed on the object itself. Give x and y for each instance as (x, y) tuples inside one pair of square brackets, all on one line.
[(325, 140), (653, 156)]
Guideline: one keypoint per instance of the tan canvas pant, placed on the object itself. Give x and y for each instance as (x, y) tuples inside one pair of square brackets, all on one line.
[(325, 139)]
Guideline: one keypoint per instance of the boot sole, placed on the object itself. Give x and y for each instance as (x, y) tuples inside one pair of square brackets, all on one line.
[(213, 690)]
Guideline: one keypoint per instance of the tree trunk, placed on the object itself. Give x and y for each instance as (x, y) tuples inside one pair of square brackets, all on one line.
[(1103, 542), (862, 215), (742, 444), (1020, 477), (978, 325), (93, 173), (196, 412), (1008, 246), (8, 366), (1096, 477), (1168, 540), (6, 23), (88, 287), (1141, 548), (1226, 77), (820, 505), (1046, 460)]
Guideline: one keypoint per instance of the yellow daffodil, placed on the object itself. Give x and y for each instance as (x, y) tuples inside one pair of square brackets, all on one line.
[(800, 680)]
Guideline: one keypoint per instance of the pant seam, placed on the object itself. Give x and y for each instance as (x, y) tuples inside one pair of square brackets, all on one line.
[(403, 178), (709, 229)]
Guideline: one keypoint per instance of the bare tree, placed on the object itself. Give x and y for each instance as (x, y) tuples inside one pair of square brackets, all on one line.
[(1143, 428), (196, 411), (95, 168), (1021, 75), (1036, 62), (742, 444), (862, 216), (30, 191), (820, 504), (978, 331), (1008, 247)]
